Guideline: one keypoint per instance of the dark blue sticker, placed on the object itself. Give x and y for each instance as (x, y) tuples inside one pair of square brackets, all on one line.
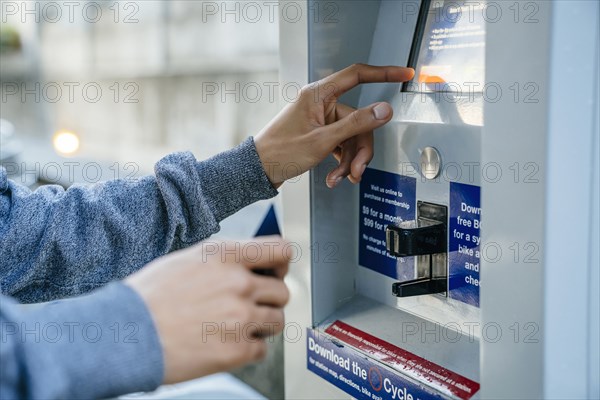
[(357, 375), (464, 257), (385, 199)]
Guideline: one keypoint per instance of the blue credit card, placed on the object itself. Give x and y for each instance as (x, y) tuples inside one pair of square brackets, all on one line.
[(269, 227)]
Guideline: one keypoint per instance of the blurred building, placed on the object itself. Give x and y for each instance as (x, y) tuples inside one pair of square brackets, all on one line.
[(135, 80)]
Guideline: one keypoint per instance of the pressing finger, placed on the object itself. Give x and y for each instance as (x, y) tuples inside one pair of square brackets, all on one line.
[(346, 79)]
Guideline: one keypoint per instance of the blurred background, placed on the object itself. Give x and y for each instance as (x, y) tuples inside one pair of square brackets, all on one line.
[(97, 90), (130, 81)]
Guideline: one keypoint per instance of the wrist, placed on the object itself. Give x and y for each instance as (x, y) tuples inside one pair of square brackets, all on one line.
[(271, 167)]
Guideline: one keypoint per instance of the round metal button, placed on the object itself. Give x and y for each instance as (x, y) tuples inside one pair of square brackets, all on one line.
[(431, 163)]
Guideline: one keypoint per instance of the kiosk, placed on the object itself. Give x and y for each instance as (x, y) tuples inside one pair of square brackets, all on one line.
[(465, 263)]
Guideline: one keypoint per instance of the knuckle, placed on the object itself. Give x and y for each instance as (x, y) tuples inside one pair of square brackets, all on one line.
[(321, 137), (242, 282), (243, 314), (319, 133), (230, 310), (355, 118), (307, 90)]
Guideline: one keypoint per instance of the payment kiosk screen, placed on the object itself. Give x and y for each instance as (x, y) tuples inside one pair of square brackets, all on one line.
[(451, 51)]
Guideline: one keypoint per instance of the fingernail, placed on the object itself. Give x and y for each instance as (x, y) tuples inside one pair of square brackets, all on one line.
[(330, 181), (381, 111), (333, 182)]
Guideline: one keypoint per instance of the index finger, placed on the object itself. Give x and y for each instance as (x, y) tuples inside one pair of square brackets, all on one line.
[(352, 76)]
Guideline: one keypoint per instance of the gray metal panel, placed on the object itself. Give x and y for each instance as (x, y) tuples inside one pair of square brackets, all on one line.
[(572, 133), (299, 382), (333, 46), (594, 282), (514, 212)]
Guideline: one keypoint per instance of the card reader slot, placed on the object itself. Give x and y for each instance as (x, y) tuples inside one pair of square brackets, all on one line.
[(426, 239)]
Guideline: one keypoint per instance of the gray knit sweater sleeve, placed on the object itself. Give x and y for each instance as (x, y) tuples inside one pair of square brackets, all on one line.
[(100, 345), (56, 243)]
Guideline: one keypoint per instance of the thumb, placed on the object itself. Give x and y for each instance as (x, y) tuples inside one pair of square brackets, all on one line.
[(359, 121)]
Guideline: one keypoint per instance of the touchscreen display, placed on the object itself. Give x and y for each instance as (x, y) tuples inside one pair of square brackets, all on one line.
[(451, 56)]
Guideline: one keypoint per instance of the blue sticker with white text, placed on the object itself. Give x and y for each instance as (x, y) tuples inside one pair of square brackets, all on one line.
[(464, 246), (385, 198), (357, 375)]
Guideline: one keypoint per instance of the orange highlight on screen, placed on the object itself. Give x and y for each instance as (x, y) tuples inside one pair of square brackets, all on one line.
[(429, 79)]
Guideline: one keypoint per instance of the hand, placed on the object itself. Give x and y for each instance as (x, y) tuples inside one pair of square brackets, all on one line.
[(316, 125), (211, 312)]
